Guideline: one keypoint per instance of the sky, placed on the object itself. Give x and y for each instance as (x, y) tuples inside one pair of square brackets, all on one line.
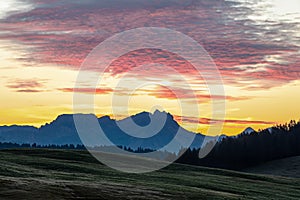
[(254, 45)]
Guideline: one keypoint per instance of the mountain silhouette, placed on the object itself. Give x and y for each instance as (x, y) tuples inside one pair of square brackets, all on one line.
[(248, 130), (134, 132)]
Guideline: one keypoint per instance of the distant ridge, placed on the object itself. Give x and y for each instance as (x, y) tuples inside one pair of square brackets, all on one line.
[(62, 130)]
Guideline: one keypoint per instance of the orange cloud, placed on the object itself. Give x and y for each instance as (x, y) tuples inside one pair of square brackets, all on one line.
[(87, 90)]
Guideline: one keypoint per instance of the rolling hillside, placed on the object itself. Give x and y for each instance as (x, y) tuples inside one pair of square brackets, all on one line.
[(73, 174), (289, 167)]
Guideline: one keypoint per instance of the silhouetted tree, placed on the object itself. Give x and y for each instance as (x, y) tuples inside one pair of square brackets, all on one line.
[(250, 149)]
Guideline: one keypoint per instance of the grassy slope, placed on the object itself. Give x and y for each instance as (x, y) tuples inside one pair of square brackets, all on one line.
[(284, 167), (65, 174)]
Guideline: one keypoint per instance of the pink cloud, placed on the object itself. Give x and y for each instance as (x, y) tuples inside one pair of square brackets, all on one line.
[(64, 34), (179, 93)]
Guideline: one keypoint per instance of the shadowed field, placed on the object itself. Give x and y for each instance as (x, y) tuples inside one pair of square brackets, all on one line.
[(289, 167), (70, 174)]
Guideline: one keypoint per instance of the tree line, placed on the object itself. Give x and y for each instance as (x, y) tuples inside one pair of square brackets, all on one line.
[(247, 150), (11, 145)]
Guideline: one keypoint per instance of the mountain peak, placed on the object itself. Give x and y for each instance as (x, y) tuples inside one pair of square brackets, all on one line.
[(64, 116), (105, 118), (248, 130), (159, 112)]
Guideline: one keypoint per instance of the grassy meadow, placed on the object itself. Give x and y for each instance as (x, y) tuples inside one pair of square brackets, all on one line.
[(75, 174)]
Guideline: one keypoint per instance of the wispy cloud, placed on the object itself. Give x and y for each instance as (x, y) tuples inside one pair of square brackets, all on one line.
[(87, 90), (10, 7), (26, 85), (199, 96), (226, 121)]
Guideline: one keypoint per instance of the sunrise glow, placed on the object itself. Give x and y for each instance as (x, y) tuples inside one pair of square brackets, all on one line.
[(254, 45)]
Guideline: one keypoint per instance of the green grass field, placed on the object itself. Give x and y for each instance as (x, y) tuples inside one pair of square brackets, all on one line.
[(72, 174)]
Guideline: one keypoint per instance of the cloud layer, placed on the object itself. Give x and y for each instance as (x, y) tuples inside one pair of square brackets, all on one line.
[(243, 49)]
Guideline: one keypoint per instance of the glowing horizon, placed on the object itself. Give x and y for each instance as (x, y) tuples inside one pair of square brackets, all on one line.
[(254, 45)]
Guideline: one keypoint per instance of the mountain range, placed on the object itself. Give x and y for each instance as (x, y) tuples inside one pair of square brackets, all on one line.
[(63, 131)]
